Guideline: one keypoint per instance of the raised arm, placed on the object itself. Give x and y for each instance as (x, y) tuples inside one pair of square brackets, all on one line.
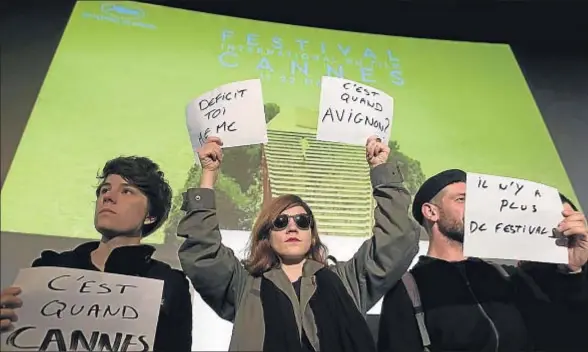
[(214, 270), (382, 259)]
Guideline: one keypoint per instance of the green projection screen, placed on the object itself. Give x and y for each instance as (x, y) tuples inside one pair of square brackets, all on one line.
[(124, 72)]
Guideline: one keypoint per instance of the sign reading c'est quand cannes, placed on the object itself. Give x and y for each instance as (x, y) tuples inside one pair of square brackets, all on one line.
[(71, 310)]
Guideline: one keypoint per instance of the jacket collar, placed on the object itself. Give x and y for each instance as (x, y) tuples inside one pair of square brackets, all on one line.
[(280, 279), (307, 286), (309, 268), (126, 260)]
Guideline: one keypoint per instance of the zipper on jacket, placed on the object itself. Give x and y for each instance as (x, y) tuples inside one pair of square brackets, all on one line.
[(486, 316)]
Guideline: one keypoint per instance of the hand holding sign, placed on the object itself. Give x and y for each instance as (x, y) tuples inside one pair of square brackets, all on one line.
[(376, 152), (509, 218), (574, 230), (9, 302), (232, 112), (69, 309), (211, 154), (350, 112)]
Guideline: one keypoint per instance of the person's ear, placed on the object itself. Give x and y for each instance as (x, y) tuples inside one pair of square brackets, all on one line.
[(430, 212), (149, 220)]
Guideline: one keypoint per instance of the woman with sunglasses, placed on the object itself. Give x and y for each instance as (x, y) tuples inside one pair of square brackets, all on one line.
[(284, 296)]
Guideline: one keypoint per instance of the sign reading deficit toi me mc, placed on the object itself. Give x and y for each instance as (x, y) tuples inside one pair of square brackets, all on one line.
[(233, 112), (351, 112), (82, 310), (509, 218)]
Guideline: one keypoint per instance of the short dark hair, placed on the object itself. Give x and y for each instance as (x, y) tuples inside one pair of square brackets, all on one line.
[(565, 199), (144, 174)]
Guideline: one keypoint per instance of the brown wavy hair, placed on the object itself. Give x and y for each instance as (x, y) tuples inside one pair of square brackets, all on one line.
[(261, 257)]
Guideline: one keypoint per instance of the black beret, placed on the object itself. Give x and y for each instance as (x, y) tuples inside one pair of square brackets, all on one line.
[(431, 187)]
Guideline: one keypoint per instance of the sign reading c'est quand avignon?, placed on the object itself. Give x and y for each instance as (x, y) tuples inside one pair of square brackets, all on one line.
[(233, 112), (351, 112), (509, 218), (82, 310)]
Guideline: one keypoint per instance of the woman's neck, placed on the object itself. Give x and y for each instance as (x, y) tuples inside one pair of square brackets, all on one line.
[(100, 255), (293, 270)]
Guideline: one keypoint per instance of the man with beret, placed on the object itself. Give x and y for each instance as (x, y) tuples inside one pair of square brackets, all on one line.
[(468, 304)]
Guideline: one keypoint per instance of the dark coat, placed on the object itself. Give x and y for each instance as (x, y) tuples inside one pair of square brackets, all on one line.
[(174, 327), (471, 306), (559, 325)]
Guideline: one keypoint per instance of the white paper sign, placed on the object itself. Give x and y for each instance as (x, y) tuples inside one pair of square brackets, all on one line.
[(234, 112), (81, 310), (509, 218), (351, 112)]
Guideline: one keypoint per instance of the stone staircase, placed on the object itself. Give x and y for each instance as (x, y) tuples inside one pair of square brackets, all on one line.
[(332, 178)]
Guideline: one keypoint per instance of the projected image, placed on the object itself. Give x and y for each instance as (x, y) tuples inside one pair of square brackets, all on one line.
[(123, 75), (332, 177)]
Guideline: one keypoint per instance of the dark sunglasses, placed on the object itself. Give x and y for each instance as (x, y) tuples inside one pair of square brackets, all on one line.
[(302, 221)]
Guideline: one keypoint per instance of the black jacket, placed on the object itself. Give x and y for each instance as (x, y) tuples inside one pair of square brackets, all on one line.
[(471, 306), (559, 325), (174, 327)]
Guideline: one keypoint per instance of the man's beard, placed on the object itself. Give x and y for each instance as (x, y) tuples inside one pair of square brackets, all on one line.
[(453, 230)]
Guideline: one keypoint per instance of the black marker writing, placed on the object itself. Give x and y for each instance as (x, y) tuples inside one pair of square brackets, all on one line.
[(224, 127), (474, 226), (214, 113), (55, 340), (366, 95), (359, 89), (506, 204), (202, 137), (361, 100), (51, 283), (356, 117), (518, 186), (515, 205), (60, 309), (124, 287), (226, 96), (512, 228), (482, 183), (86, 286)]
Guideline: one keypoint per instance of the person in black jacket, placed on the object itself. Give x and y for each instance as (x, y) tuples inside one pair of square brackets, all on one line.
[(133, 200), (468, 304), (559, 325)]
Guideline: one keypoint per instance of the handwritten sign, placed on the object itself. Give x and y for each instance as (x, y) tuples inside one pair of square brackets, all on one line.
[(81, 310), (509, 218), (234, 112), (350, 112)]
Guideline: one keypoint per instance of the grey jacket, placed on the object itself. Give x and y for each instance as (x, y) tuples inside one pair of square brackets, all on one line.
[(224, 284)]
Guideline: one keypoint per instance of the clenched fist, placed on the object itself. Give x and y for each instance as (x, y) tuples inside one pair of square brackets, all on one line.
[(211, 154), (376, 152)]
